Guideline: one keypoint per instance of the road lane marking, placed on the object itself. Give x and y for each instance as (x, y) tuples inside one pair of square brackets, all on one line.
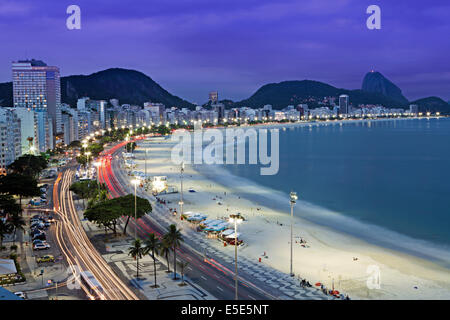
[(219, 288), (251, 297), (204, 278)]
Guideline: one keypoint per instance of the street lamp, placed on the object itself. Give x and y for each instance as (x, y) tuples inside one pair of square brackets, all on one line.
[(97, 164), (135, 182), (292, 199), (88, 155), (235, 218), (181, 193)]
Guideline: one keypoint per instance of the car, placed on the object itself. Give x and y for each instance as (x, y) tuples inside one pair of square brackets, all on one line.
[(41, 246), (39, 227), (51, 219), (36, 231), (40, 236), (36, 241), (20, 294), (35, 202), (46, 258), (36, 216)]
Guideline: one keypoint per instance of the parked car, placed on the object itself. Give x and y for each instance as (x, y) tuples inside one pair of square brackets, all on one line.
[(46, 258), (35, 202), (36, 231), (40, 236), (41, 246), (37, 224), (20, 294), (36, 241)]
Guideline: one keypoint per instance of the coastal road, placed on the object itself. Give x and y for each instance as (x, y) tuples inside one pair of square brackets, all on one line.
[(78, 250), (208, 273)]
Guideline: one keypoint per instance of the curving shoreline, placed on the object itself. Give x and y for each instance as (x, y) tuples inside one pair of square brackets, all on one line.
[(330, 255)]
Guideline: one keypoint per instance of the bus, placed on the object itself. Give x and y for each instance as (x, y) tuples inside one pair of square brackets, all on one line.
[(94, 288)]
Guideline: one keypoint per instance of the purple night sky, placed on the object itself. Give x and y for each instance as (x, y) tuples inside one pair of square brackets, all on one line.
[(235, 46)]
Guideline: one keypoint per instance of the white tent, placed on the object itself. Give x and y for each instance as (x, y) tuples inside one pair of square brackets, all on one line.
[(7, 266), (232, 235)]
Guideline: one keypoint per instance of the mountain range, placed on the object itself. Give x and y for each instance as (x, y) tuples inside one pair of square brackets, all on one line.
[(134, 87)]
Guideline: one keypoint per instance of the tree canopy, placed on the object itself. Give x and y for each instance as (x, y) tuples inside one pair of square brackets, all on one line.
[(74, 144), (95, 148), (8, 205), (106, 213), (19, 185), (89, 189), (83, 160), (129, 147), (28, 164)]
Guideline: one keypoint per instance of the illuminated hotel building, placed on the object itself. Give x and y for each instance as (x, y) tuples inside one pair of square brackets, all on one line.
[(37, 86)]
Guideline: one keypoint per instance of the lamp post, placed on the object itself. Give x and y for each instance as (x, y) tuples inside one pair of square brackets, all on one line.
[(292, 199), (88, 158), (181, 189), (97, 164), (235, 218), (145, 163), (135, 182)]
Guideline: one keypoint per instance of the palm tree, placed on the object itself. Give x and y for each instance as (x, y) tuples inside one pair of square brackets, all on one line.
[(152, 246), (183, 265), (5, 228), (18, 223), (174, 238), (136, 251), (164, 250)]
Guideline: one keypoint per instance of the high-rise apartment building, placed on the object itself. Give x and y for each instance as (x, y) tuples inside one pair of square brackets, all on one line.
[(45, 140), (10, 138), (38, 86), (344, 107), (28, 129)]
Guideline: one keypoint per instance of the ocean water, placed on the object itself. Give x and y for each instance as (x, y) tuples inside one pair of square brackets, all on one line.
[(386, 181)]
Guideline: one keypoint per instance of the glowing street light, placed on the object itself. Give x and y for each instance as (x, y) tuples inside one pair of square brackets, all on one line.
[(135, 182), (181, 189), (235, 218), (292, 199), (97, 164)]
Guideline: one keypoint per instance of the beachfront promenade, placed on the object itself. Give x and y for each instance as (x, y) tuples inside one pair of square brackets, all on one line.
[(278, 284)]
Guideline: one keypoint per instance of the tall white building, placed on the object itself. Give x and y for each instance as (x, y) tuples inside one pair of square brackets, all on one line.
[(10, 147), (81, 103), (38, 86), (28, 129), (45, 140), (414, 109)]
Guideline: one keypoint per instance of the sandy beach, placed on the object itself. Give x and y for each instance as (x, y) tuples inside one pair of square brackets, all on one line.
[(329, 256)]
